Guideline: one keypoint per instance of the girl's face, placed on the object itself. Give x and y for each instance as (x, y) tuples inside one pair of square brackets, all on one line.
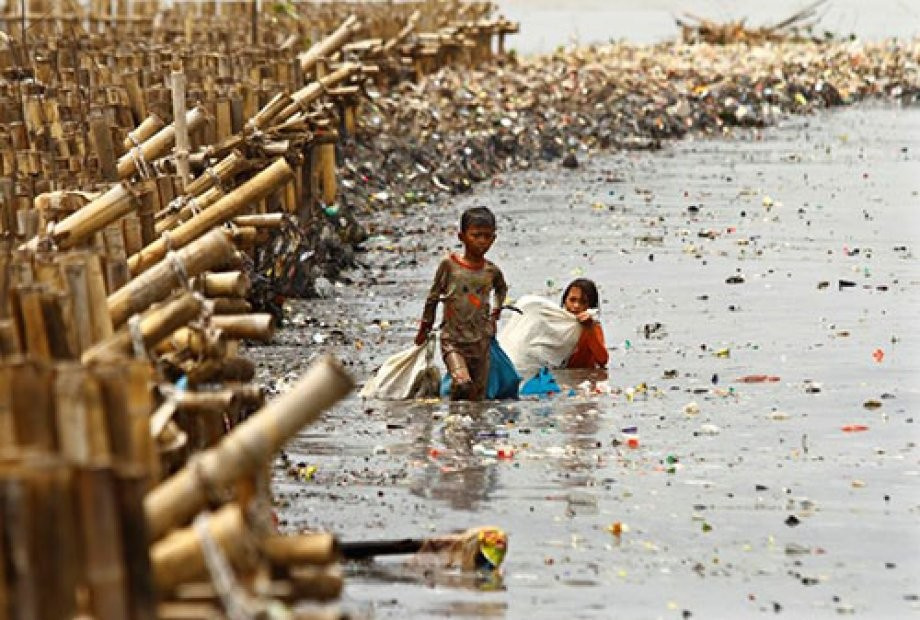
[(576, 301)]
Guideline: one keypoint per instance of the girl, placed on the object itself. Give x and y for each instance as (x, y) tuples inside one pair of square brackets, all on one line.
[(579, 297)]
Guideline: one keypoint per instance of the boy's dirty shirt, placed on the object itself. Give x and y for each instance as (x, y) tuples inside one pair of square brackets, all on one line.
[(465, 292)]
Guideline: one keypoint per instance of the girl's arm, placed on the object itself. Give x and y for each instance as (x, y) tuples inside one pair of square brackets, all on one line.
[(597, 345)]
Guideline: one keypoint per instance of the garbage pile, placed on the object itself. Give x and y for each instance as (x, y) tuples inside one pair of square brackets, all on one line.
[(695, 29), (458, 127)]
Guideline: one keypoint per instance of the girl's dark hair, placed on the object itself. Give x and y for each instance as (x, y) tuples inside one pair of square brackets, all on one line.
[(587, 287), (477, 216)]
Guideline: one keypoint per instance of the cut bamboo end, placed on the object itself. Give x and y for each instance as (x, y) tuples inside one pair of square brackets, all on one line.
[(226, 284), (180, 557), (143, 132), (318, 549), (260, 327), (262, 220)]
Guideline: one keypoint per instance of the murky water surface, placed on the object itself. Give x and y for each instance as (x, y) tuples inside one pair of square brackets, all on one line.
[(738, 498)]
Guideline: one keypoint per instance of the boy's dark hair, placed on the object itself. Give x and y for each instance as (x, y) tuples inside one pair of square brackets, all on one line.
[(587, 287), (477, 216)]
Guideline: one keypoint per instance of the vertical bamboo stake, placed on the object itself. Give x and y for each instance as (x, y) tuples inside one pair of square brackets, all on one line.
[(327, 159), (131, 484), (105, 149), (103, 548), (182, 144), (81, 426)]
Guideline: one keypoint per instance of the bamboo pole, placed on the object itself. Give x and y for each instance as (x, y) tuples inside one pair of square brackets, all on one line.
[(411, 23), (170, 218), (220, 172), (77, 227), (320, 583), (81, 427), (182, 147), (180, 557), (247, 448), (329, 45), (226, 284), (327, 166), (260, 220), (220, 212), (314, 90), (158, 144), (260, 327), (317, 549), (155, 324), (102, 534), (156, 283), (216, 401)]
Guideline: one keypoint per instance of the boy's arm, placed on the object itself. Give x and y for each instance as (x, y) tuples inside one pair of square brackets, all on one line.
[(501, 292), (431, 302)]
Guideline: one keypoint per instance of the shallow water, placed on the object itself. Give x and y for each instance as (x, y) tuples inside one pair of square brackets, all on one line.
[(759, 502)]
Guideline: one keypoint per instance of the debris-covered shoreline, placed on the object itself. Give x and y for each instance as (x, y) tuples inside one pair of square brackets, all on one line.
[(456, 128)]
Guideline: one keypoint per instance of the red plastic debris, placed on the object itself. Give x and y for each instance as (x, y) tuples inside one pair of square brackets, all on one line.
[(757, 379)]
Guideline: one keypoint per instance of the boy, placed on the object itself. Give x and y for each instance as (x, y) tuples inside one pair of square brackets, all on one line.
[(464, 284)]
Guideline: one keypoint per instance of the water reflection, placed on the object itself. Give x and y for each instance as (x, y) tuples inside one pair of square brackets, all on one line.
[(410, 572), (458, 468)]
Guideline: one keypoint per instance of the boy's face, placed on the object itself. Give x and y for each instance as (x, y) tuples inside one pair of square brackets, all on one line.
[(477, 240)]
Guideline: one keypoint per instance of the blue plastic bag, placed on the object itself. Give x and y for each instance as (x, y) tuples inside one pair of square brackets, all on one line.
[(541, 384), (504, 380)]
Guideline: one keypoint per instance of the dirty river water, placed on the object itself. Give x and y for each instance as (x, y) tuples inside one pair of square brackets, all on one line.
[(788, 252)]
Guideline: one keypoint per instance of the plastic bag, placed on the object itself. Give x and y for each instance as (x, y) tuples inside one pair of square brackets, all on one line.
[(407, 374), (542, 335), (541, 384), (504, 380)]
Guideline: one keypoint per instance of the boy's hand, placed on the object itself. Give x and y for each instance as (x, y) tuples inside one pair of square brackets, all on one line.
[(461, 376), (423, 330)]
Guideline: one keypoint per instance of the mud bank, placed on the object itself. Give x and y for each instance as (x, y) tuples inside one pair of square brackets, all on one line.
[(787, 253)]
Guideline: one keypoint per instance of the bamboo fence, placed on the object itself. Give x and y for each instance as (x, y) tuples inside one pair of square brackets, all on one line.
[(145, 149)]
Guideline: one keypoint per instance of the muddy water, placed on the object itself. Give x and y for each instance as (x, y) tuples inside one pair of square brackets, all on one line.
[(740, 498)]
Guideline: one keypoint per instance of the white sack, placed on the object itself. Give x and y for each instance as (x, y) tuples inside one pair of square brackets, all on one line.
[(544, 335), (407, 374)]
